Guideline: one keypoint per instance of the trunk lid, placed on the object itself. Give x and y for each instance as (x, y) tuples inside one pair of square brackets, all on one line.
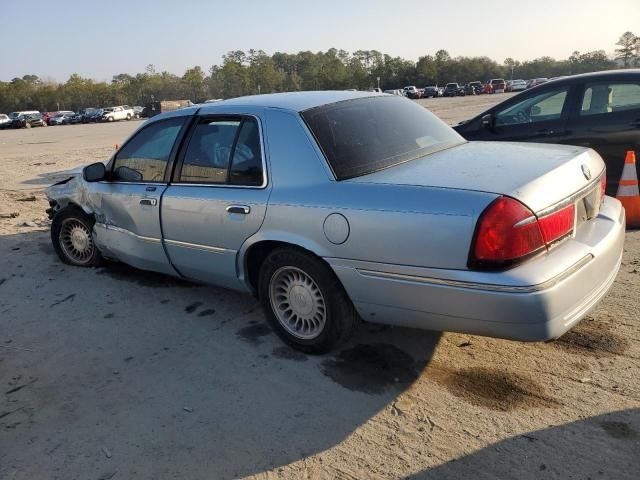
[(538, 175)]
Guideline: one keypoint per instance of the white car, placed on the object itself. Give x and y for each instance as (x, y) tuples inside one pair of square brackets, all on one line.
[(518, 85), (122, 112), (4, 120)]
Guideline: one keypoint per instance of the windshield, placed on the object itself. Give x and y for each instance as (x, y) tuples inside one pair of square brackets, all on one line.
[(365, 135), (452, 85)]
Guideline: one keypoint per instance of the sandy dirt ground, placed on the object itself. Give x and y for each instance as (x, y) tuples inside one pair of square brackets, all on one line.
[(114, 373)]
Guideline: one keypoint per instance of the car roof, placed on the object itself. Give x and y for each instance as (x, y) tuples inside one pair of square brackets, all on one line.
[(623, 72), (293, 101)]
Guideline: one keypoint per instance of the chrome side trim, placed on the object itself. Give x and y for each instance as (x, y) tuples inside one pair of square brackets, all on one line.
[(127, 232), (479, 286), (197, 246)]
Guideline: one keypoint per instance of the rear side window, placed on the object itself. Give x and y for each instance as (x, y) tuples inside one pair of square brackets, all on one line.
[(365, 135), (149, 150), (224, 151), (606, 97)]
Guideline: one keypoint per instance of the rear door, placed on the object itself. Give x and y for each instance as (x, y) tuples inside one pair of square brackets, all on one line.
[(217, 198), (128, 206), (607, 119), (538, 117)]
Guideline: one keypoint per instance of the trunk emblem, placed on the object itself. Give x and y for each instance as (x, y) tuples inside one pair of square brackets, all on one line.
[(586, 172)]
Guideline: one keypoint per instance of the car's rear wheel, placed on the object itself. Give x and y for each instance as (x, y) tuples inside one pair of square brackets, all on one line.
[(128, 117), (304, 302), (72, 238)]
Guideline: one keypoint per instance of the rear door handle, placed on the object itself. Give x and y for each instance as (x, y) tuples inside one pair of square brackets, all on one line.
[(243, 209), (149, 201), (636, 123), (545, 131)]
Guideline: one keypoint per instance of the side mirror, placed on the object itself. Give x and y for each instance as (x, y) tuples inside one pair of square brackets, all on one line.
[(488, 121), (535, 111), (94, 172), (127, 174)]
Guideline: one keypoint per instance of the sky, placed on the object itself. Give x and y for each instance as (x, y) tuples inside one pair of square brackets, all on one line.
[(98, 39)]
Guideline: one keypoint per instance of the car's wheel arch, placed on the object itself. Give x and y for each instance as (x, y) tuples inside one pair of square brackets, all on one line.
[(62, 203), (256, 249)]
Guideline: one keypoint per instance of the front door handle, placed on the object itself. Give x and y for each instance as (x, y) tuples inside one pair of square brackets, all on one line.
[(149, 201), (243, 209), (636, 123), (545, 131)]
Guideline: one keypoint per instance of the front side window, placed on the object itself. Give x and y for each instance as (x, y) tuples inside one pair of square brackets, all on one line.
[(538, 108), (365, 135), (607, 97), (224, 151), (149, 150)]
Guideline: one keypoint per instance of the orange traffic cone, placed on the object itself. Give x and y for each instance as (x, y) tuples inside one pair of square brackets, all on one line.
[(628, 192)]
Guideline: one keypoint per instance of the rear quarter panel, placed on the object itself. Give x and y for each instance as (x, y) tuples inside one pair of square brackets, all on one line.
[(403, 225)]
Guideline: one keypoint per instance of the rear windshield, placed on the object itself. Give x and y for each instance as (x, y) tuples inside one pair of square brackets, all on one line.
[(365, 135)]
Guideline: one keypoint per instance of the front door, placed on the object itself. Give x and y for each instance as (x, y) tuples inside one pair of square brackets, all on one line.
[(537, 118), (128, 206), (217, 199)]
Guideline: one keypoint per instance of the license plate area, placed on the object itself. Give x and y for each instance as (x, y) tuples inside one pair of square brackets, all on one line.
[(588, 207)]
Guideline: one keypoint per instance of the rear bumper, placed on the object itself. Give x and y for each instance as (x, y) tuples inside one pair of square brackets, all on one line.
[(539, 300)]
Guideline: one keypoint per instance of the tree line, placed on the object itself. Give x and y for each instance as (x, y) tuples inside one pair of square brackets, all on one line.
[(253, 72)]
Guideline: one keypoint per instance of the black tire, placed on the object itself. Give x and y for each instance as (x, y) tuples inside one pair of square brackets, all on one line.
[(128, 117), (340, 315), (69, 216)]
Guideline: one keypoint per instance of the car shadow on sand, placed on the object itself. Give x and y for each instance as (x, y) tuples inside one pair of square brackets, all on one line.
[(601, 447), (141, 374)]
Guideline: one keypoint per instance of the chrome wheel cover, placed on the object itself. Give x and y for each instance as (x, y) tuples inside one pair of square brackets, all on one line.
[(76, 241), (297, 302)]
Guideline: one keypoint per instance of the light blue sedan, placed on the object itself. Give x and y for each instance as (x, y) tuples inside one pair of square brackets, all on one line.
[(333, 207)]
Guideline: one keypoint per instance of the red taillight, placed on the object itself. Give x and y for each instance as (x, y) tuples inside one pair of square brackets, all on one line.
[(508, 232), (557, 224)]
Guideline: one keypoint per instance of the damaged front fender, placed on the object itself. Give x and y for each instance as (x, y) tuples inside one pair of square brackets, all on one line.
[(74, 190)]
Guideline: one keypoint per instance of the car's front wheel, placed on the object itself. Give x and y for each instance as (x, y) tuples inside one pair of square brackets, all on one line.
[(72, 238), (304, 301)]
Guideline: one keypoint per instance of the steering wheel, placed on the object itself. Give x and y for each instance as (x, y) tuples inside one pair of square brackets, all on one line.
[(523, 117)]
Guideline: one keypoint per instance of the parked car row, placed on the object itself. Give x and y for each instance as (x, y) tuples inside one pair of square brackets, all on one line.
[(24, 119), (34, 118), (454, 89)]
